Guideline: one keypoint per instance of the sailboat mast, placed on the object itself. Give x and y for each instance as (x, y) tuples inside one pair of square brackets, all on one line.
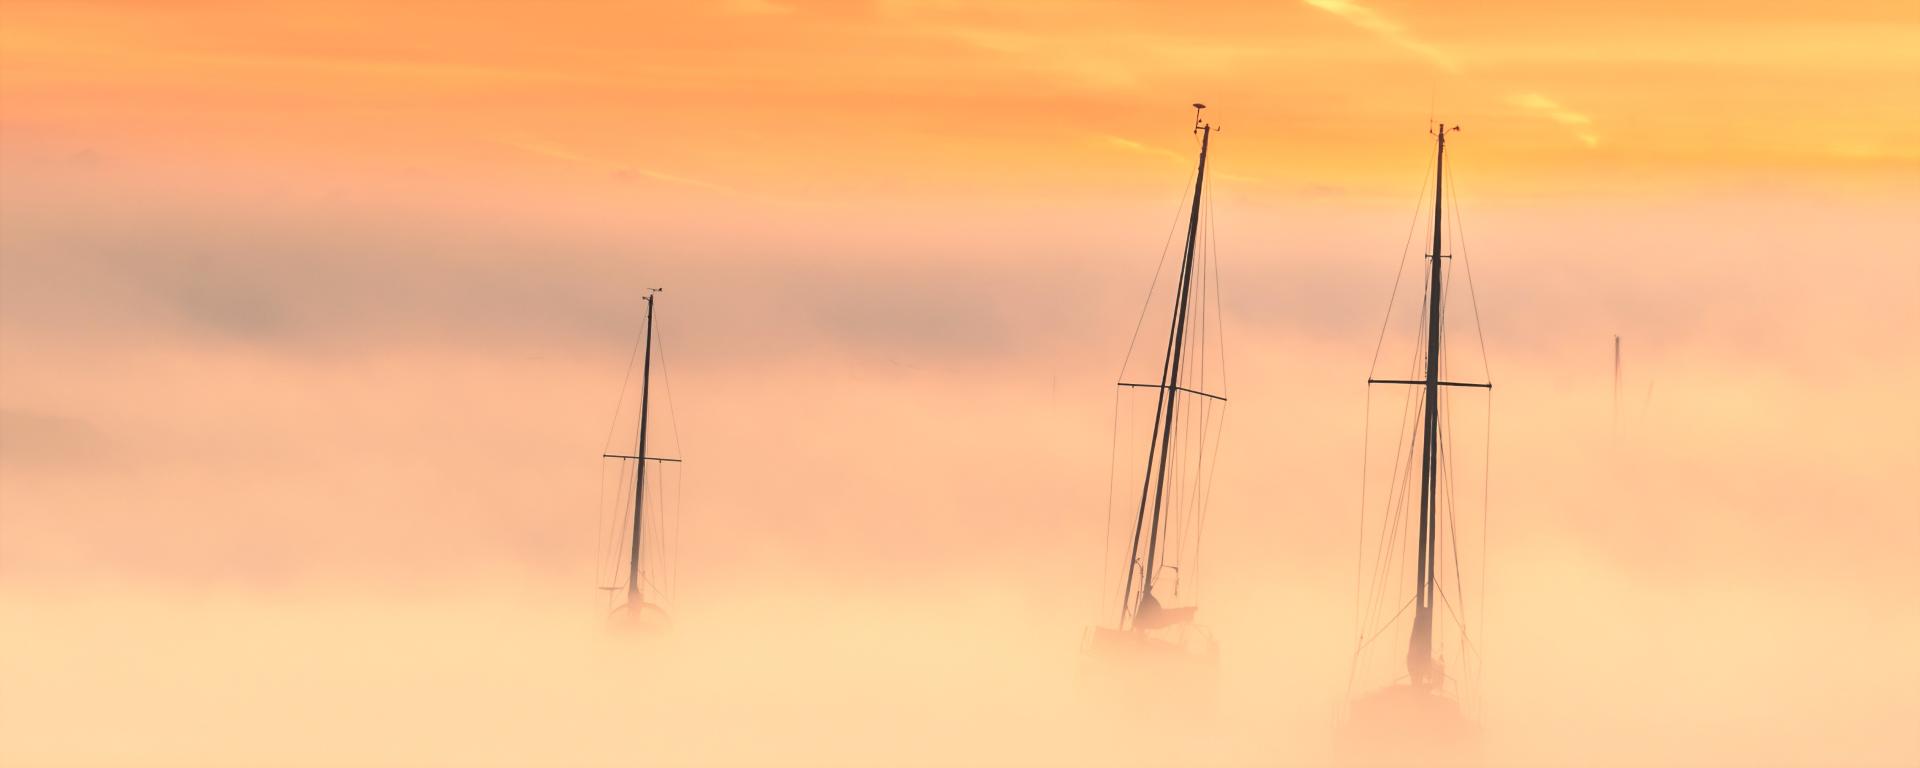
[(1164, 408), (1171, 381), (1420, 648), (640, 465)]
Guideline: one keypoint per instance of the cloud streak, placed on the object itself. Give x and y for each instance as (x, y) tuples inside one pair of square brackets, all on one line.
[(1129, 145), (1542, 106), (1371, 20)]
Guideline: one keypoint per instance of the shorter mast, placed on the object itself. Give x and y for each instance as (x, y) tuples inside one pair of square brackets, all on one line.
[(640, 463), (636, 576)]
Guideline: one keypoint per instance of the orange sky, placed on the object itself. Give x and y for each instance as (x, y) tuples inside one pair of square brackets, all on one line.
[(324, 307), (778, 102)]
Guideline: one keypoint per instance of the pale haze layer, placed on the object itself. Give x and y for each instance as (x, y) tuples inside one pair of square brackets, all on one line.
[(313, 322)]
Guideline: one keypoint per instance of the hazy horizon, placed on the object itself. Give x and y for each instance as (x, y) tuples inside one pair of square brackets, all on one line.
[(313, 321)]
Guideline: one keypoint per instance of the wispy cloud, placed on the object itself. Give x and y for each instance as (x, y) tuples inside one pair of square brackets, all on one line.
[(1552, 110), (1371, 20), (1129, 145), (632, 173)]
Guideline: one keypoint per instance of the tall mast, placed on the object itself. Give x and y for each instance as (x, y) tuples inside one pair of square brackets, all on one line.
[(1164, 407), (1420, 648), (640, 464)]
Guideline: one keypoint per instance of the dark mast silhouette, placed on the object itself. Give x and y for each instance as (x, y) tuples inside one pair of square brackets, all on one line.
[(1145, 612), (1155, 659), (1421, 670), (1421, 720), (636, 609)]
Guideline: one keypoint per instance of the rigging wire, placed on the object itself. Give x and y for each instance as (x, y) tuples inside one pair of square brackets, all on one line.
[(617, 523), (1486, 365), (1400, 498), (1219, 299), (1453, 536), (638, 528), (1175, 523), (621, 532), (679, 520), (1212, 413), (622, 399), (1398, 517), (1213, 469), (1460, 580), (656, 524), (1466, 641), (1397, 532), (666, 380), (608, 571), (1444, 501), (1220, 346), (1360, 547), (1446, 459), (1406, 248), (1486, 511), (613, 424), (1202, 246), (1160, 268), (1181, 519), (672, 555), (599, 522), (1193, 452), (1354, 666), (1153, 445), (1106, 536)]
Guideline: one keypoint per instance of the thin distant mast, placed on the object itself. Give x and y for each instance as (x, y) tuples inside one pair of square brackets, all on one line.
[(640, 459), (1154, 484), (640, 465)]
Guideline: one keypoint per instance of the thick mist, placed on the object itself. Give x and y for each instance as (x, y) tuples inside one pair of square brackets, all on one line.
[(253, 515), (310, 342)]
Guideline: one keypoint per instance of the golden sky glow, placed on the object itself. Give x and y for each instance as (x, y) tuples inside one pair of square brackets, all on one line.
[(776, 100), (312, 316)]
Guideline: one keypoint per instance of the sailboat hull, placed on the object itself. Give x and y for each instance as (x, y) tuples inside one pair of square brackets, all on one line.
[(1136, 672), (645, 619), (1408, 725)]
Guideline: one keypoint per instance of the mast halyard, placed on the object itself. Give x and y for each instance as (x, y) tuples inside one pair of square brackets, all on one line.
[(636, 611), (1165, 406), (1420, 668), (640, 463)]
